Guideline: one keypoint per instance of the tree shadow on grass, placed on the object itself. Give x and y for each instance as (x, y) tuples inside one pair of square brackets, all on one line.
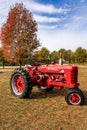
[(1, 73), (85, 96), (54, 93)]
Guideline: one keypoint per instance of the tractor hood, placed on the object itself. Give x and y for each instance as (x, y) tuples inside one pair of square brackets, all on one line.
[(55, 68)]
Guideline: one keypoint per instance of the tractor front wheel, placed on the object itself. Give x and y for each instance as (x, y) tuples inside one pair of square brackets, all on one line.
[(20, 83), (74, 97)]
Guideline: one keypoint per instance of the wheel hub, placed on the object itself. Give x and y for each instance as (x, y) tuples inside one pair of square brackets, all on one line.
[(74, 98), (19, 83)]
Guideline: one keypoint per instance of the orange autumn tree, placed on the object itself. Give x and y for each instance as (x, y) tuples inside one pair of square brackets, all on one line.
[(18, 34)]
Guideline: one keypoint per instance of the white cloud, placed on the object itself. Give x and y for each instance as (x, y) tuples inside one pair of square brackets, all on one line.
[(73, 34), (45, 19), (50, 9), (47, 27), (54, 40), (33, 7), (78, 22), (76, 18), (82, 1)]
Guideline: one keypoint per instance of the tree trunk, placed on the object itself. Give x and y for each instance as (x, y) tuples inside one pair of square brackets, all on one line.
[(20, 63), (3, 64)]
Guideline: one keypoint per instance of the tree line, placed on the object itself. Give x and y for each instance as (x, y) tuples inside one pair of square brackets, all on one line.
[(69, 56), (20, 44), (43, 55)]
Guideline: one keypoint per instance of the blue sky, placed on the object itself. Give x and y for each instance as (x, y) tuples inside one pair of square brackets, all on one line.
[(61, 23)]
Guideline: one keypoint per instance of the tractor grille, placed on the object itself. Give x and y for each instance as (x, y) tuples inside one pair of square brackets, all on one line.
[(74, 75)]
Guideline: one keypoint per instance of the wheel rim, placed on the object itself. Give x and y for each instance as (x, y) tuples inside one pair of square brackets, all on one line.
[(18, 84), (74, 99)]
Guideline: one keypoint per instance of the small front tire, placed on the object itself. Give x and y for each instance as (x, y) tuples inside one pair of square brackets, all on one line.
[(74, 97)]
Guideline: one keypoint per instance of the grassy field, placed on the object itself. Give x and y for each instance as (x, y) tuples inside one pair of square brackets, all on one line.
[(42, 111)]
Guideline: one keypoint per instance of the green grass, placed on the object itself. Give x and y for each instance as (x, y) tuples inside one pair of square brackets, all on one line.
[(42, 111)]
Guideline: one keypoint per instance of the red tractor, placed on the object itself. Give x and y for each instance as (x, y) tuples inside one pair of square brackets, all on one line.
[(46, 77)]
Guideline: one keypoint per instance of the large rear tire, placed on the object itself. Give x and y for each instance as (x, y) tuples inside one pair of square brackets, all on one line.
[(74, 97), (20, 83)]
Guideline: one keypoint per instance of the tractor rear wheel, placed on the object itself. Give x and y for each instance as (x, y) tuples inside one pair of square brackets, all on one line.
[(20, 83), (45, 89), (74, 97)]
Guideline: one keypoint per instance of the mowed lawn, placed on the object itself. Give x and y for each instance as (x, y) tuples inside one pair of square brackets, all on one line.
[(42, 111)]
